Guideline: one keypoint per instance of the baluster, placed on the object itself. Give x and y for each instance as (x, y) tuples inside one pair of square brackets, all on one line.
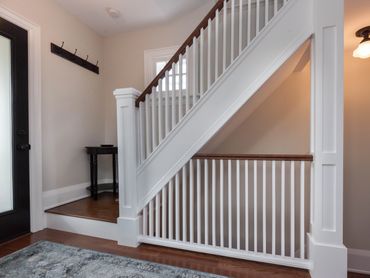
[(249, 21), (180, 88), (230, 222), (302, 209), (246, 183), (199, 240), (275, 7), (177, 203), (154, 124), (201, 79), (206, 222), (224, 48), (147, 126), (264, 205), (217, 42), (170, 210), (232, 54), (184, 201), (167, 112), (209, 80), (195, 70), (164, 212), (282, 208), (213, 202), (191, 193), (157, 216), (151, 224), (145, 221), (173, 96), (240, 26), (266, 12), (292, 211), (257, 17), (273, 207), (222, 203), (255, 206), (160, 113), (187, 90), (142, 131), (238, 204)]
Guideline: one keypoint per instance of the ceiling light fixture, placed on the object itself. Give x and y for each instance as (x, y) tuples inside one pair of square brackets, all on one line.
[(363, 50), (113, 13)]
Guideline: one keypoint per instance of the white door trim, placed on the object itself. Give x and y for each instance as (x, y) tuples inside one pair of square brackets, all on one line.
[(34, 75)]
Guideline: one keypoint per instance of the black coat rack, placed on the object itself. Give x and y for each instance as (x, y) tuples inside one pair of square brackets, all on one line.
[(72, 57)]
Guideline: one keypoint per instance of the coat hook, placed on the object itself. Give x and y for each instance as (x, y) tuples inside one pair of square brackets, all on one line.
[(62, 45), (87, 57), (75, 51), (97, 62)]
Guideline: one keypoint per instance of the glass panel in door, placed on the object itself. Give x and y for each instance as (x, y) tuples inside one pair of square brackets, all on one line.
[(6, 156)]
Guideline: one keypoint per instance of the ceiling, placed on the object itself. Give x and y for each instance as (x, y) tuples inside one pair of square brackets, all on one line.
[(357, 15), (134, 13), (141, 13)]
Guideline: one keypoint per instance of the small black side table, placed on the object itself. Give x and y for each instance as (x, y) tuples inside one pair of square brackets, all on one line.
[(94, 152)]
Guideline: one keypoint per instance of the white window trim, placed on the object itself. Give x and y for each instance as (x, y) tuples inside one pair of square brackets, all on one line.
[(152, 56)]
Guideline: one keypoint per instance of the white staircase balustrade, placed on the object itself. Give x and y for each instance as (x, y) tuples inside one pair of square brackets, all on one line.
[(249, 207), (230, 29), (223, 99)]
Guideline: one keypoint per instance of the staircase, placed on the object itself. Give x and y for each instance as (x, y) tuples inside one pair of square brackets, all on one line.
[(196, 114), (255, 207)]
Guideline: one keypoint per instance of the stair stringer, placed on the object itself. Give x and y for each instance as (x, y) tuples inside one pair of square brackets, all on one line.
[(267, 53)]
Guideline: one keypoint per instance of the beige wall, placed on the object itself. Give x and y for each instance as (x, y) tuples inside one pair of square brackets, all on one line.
[(280, 125), (124, 58), (78, 107), (356, 153), (72, 98)]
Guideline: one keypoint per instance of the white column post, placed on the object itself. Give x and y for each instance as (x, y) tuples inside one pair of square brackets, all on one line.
[(327, 252), (129, 223)]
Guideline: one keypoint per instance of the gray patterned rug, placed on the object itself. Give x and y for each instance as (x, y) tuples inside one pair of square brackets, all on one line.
[(52, 260)]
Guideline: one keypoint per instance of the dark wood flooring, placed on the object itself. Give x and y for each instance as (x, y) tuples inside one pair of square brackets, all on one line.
[(104, 209), (201, 262)]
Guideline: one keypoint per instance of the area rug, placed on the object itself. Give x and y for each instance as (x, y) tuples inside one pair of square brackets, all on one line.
[(52, 260)]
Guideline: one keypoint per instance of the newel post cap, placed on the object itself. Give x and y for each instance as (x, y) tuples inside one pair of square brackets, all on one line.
[(126, 93)]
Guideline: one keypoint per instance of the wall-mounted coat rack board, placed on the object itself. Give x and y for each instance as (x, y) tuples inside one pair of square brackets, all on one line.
[(72, 57)]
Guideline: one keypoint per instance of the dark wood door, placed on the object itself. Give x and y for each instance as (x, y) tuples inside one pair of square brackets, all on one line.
[(14, 139)]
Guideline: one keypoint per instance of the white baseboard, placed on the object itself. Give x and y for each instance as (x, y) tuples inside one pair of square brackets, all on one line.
[(82, 226), (67, 194), (359, 261)]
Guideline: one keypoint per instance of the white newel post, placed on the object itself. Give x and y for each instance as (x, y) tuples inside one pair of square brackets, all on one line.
[(128, 221), (327, 252)]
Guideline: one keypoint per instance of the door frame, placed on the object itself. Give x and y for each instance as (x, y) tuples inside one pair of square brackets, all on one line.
[(38, 221)]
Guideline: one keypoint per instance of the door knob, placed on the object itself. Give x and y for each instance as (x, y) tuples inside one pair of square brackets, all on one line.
[(24, 147)]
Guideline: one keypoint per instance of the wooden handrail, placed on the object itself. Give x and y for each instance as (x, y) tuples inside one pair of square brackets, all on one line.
[(269, 157), (188, 42)]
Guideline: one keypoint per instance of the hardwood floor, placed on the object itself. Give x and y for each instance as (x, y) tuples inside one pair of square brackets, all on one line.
[(104, 209), (201, 262)]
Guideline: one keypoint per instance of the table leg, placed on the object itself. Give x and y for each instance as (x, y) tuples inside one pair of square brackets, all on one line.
[(95, 176), (114, 174), (92, 175)]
